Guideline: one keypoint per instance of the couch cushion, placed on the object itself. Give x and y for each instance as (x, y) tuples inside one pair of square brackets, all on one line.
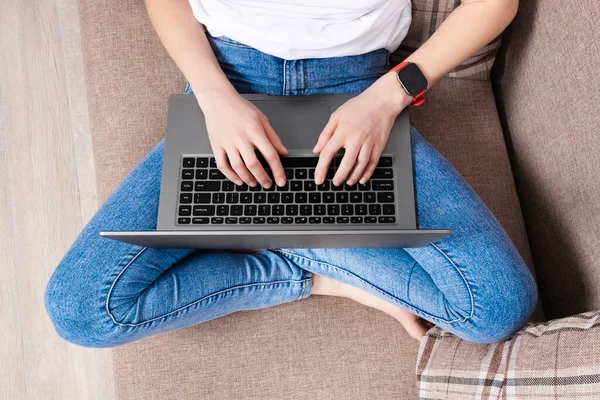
[(320, 347), (550, 90)]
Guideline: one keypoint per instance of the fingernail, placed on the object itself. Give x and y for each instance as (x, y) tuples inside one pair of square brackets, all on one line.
[(351, 182), (267, 185), (281, 182)]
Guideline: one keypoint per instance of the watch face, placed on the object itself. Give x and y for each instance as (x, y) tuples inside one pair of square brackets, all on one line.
[(412, 79)]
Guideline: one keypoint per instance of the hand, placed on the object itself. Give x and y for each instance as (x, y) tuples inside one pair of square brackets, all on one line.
[(361, 126), (235, 129)]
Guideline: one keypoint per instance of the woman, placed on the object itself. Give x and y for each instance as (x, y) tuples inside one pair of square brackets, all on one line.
[(472, 283)]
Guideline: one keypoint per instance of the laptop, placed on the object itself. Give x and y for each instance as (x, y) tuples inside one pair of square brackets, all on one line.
[(200, 208)]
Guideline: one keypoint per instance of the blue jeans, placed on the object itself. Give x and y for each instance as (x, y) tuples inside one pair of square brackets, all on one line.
[(472, 283)]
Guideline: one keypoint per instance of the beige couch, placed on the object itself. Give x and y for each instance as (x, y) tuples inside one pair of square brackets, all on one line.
[(529, 143)]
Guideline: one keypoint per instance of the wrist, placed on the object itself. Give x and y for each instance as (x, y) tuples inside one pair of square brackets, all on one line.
[(392, 93)]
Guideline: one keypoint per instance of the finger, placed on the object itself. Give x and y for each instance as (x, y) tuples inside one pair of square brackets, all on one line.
[(325, 157), (254, 166), (364, 156), (414, 327), (239, 167), (273, 137), (368, 172), (270, 155), (326, 134), (225, 168), (348, 162)]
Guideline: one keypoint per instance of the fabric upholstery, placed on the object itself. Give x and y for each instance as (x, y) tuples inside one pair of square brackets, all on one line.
[(323, 348), (559, 359), (549, 87)]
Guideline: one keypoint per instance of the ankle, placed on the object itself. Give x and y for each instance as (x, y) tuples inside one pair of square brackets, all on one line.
[(325, 286)]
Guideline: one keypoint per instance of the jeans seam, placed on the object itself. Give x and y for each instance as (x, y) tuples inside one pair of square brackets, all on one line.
[(241, 45), (207, 297), (383, 292), (284, 77)]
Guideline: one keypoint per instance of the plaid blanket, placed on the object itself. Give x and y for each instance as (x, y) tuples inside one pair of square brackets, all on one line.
[(559, 359), (427, 16)]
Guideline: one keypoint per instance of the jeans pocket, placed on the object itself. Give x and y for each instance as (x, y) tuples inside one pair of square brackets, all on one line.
[(229, 41)]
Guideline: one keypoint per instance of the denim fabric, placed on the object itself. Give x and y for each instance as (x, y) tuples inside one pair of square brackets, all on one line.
[(472, 283)]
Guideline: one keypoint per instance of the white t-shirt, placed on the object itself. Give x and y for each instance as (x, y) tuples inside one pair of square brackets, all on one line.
[(299, 29)]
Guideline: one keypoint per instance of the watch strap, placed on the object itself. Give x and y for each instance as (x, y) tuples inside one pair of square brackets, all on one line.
[(418, 98)]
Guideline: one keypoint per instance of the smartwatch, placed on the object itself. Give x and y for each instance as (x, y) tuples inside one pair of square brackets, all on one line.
[(412, 81)]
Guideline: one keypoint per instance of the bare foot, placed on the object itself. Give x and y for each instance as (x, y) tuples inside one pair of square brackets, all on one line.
[(415, 326)]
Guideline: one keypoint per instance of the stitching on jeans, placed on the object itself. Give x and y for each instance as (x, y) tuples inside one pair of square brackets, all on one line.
[(410, 279), (188, 305), (384, 293), (471, 297), (220, 39), (284, 77)]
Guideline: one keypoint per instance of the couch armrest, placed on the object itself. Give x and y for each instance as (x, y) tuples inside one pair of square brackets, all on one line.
[(555, 359)]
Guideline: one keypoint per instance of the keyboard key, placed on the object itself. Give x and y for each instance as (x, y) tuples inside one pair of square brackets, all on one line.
[(256, 188), (301, 220), (369, 197), (356, 220), (227, 186), (301, 198), (202, 162), (246, 198), (188, 162), (259, 220), (385, 197), (291, 209), (328, 197), (350, 188), (311, 173), (218, 198), (285, 187), (245, 220), (356, 197), (383, 173), (202, 198), (201, 174), (237, 210), (314, 198), (222, 210), (314, 220), (310, 186), (231, 220), (213, 162), (385, 162), (319, 209), (370, 220), (365, 187), (186, 186), (200, 220), (287, 197), (360, 209), (342, 220), (328, 220), (260, 197), (374, 209), (201, 211), (272, 188), (250, 210), (382, 185), (324, 187), (207, 186), (183, 220), (296, 186), (185, 211), (187, 174), (232, 198), (273, 220), (273, 198), (387, 220), (241, 188), (336, 188), (216, 220), (287, 220), (278, 209), (341, 197), (347, 209), (333, 209), (389, 209), (305, 209), (299, 162), (264, 210), (289, 173), (301, 173), (185, 198)]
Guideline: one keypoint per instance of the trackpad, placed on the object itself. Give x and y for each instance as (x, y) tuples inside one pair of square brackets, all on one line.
[(297, 122)]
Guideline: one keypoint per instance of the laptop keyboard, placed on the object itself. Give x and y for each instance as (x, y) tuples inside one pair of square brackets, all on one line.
[(207, 197)]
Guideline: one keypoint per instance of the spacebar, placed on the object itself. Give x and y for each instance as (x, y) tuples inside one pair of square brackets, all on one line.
[(299, 162)]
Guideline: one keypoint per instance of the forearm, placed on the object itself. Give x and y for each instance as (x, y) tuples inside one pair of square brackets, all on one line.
[(471, 26), (185, 41)]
